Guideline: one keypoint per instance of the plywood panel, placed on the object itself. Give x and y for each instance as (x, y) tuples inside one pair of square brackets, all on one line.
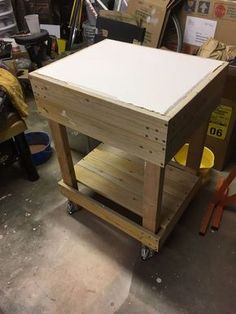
[(148, 78)]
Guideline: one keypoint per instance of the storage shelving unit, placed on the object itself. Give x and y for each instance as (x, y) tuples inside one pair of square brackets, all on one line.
[(8, 24)]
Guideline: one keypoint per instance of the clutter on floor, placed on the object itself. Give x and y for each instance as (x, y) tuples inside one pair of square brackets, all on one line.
[(10, 84), (217, 50)]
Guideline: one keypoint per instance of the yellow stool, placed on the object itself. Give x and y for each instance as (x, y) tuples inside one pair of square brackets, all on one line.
[(207, 161)]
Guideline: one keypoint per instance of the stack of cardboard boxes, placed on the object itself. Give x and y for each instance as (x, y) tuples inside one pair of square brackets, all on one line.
[(201, 20), (221, 135), (149, 14)]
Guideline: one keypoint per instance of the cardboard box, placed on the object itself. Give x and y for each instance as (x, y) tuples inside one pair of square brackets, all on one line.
[(201, 20), (43, 8), (152, 15), (221, 135), (118, 16)]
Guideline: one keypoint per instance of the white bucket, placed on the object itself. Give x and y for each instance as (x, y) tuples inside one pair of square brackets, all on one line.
[(32, 21)]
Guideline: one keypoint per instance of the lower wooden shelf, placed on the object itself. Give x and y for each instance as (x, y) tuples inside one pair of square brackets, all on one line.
[(118, 176)]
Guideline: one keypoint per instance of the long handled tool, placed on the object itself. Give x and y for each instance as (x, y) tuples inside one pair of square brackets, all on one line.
[(219, 200), (75, 21)]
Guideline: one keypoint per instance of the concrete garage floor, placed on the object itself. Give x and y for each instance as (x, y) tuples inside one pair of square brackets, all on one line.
[(51, 262)]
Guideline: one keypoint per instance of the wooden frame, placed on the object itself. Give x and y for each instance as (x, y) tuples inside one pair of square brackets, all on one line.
[(121, 175), (133, 167), (148, 135)]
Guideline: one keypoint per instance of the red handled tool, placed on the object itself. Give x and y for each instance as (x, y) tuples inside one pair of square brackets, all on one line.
[(219, 200)]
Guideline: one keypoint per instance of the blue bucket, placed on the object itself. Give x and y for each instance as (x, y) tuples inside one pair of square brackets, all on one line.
[(40, 146)]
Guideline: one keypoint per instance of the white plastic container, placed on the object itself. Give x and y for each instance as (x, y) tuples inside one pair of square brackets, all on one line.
[(32, 21)]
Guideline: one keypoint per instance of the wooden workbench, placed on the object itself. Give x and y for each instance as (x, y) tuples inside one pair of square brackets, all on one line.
[(143, 104)]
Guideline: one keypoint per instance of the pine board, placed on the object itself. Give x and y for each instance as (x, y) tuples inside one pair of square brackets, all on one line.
[(118, 176)]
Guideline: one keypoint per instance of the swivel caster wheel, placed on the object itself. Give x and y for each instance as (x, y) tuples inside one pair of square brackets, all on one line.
[(146, 253), (72, 207)]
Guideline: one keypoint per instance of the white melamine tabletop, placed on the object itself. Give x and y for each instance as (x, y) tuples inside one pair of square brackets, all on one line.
[(150, 78)]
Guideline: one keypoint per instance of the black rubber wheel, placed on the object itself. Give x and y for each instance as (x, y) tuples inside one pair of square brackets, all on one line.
[(146, 253), (72, 208), (25, 157)]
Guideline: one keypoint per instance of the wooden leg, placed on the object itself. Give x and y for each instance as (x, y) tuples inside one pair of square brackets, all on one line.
[(196, 146), (60, 138), (152, 196), (25, 157)]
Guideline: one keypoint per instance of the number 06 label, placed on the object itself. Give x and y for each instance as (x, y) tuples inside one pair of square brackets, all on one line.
[(219, 122)]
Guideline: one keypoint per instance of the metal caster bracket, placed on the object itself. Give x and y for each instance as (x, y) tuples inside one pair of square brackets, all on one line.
[(146, 253), (72, 207)]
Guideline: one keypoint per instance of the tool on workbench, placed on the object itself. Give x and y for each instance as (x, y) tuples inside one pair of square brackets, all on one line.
[(219, 200)]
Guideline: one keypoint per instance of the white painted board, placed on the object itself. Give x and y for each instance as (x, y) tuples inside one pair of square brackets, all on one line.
[(145, 77)]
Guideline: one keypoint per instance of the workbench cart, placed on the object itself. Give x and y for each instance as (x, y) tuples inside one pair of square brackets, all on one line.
[(143, 104)]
